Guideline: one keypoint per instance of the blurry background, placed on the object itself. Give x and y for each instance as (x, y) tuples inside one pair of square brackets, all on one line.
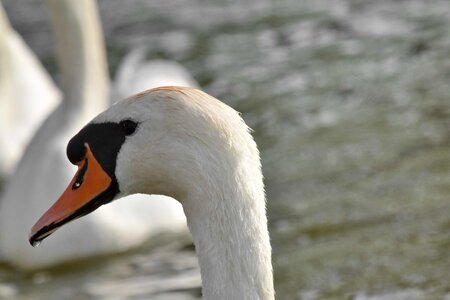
[(350, 103)]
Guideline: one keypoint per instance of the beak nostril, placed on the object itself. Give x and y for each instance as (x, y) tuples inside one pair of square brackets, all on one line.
[(81, 173)]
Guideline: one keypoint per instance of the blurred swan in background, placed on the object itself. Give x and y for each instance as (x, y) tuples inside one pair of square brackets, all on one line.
[(44, 170), (136, 74), (27, 95)]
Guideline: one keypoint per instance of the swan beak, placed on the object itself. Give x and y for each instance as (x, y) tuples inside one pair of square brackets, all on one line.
[(90, 188)]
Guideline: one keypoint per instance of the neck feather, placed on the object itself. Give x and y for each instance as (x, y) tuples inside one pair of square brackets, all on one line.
[(227, 219)]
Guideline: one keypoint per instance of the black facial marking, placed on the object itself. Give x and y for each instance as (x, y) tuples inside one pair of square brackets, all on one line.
[(104, 140)]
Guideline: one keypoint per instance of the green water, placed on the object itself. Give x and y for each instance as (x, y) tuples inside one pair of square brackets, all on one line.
[(350, 102)]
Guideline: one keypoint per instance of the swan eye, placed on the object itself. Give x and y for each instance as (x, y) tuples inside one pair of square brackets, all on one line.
[(128, 126)]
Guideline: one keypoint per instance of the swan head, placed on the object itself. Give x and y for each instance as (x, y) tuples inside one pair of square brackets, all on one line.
[(162, 141)]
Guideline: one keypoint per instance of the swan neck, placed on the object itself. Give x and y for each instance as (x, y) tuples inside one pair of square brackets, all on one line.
[(81, 54), (231, 237)]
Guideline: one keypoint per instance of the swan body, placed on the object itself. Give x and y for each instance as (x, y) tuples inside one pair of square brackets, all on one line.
[(27, 95), (44, 170), (182, 143)]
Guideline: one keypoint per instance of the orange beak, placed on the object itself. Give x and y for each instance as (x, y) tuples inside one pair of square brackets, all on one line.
[(86, 192)]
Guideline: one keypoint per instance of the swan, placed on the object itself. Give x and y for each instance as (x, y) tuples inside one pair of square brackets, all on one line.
[(183, 143), (27, 95), (85, 85)]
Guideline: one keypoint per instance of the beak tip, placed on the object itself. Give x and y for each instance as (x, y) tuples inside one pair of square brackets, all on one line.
[(32, 240), (33, 237), (38, 233)]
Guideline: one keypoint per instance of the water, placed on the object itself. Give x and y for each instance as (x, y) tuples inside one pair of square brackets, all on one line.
[(350, 102)]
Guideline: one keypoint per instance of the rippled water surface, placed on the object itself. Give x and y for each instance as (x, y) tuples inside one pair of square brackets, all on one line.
[(350, 102)]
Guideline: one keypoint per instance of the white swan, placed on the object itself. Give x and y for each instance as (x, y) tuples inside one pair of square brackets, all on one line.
[(27, 95), (183, 143), (44, 171)]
